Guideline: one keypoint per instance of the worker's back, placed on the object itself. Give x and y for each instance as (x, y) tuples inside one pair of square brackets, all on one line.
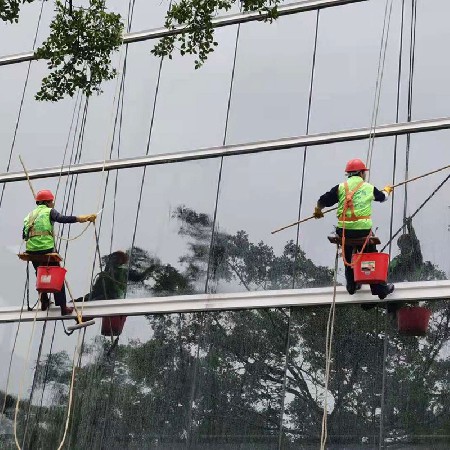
[(358, 211), (38, 229)]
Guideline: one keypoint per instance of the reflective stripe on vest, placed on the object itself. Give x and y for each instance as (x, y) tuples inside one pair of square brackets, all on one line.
[(39, 233), (38, 229), (355, 197)]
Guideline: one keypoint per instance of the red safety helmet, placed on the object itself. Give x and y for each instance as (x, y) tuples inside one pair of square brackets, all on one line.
[(45, 195), (355, 165)]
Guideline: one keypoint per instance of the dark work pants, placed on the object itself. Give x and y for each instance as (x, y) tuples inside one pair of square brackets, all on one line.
[(60, 297), (376, 289)]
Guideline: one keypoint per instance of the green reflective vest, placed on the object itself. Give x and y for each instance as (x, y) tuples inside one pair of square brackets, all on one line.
[(359, 195), (38, 229)]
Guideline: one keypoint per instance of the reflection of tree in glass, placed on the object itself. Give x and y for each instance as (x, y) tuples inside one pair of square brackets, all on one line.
[(409, 264), (219, 378), (235, 258)]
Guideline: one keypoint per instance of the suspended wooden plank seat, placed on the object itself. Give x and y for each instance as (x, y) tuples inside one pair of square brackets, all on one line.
[(358, 242), (44, 258)]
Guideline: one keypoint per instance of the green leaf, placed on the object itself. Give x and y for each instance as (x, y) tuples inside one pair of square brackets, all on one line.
[(79, 50)]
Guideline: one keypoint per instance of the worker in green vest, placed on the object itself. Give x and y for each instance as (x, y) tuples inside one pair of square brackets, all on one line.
[(38, 234), (354, 198)]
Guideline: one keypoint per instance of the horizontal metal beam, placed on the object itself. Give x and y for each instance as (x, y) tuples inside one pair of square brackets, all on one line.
[(233, 150), (429, 290), (222, 21)]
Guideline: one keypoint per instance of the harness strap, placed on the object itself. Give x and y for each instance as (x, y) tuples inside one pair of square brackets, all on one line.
[(348, 204)]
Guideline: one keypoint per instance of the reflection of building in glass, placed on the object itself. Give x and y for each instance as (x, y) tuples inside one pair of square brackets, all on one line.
[(248, 376)]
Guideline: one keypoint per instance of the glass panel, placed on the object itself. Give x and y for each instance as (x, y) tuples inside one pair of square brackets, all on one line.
[(129, 394), (174, 232), (418, 249), (347, 65), (171, 381), (192, 104), (410, 402), (417, 383), (271, 88), (23, 378), (431, 72), (218, 380), (354, 388), (239, 386)]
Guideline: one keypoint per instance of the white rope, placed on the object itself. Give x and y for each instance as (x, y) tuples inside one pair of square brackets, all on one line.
[(328, 348)]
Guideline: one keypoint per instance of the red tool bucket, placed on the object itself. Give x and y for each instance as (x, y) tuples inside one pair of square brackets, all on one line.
[(113, 325), (413, 321), (50, 279), (370, 268)]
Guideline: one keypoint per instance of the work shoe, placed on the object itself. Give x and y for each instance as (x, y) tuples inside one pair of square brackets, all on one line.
[(388, 290), (45, 303), (352, 288), (66, 310)]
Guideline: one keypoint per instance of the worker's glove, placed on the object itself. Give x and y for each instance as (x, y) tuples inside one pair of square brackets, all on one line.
[(87, 218), (318, 214), (388, 189)]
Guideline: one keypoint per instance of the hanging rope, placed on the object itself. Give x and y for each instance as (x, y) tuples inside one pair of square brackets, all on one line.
[(379, 81), (78, 101), (397, 116), (117, 130), (205, 326), (294, 272), (328, 349), (78, 346), (391, 226), (219, 177), (147, 151), (305, 150), (70, 188), (412, 51)]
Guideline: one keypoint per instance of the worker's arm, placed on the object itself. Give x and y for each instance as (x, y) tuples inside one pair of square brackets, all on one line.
[(381, 196), (55, 216), (330, 198)]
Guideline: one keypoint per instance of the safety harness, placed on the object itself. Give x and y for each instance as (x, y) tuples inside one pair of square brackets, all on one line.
[(348, 204)]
